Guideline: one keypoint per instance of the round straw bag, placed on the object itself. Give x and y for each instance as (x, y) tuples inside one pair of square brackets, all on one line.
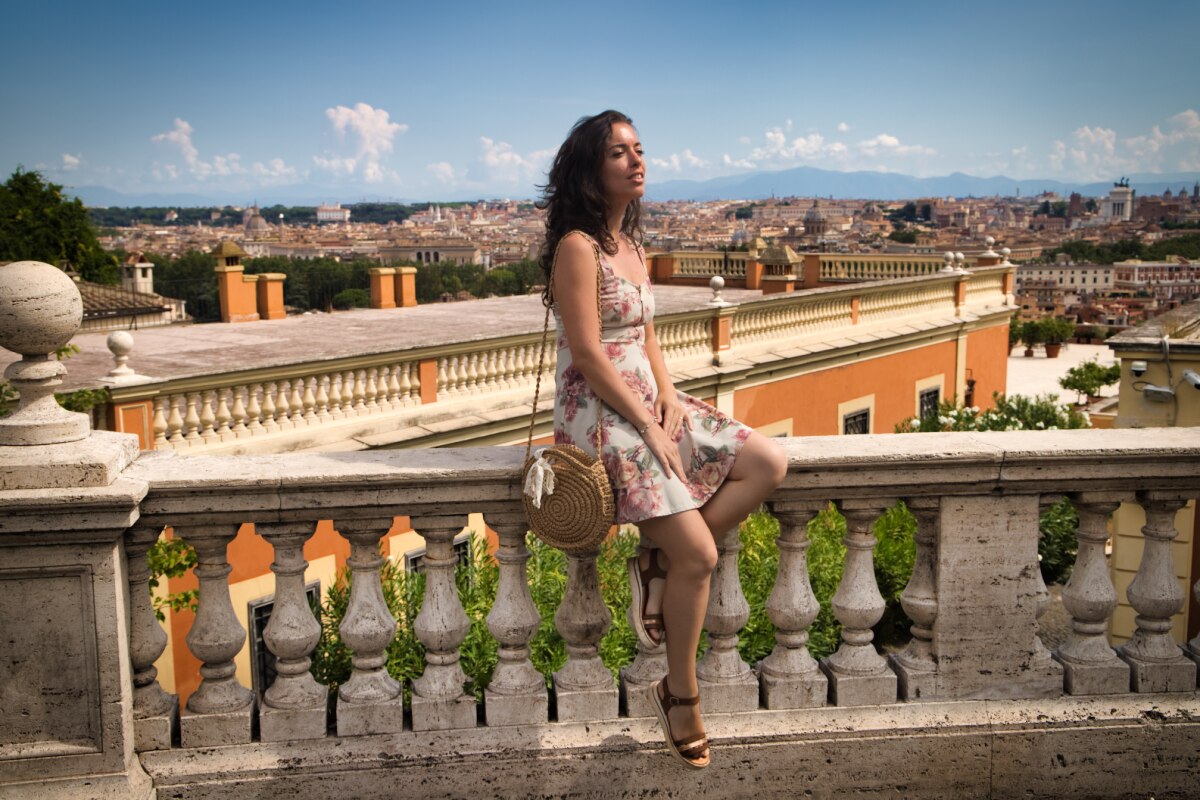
[(567, 496)]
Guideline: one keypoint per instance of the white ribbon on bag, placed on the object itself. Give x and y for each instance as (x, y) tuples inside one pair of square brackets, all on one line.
[(539, 481)]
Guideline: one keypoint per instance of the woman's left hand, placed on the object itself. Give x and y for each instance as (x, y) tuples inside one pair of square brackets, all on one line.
[(670, 415)]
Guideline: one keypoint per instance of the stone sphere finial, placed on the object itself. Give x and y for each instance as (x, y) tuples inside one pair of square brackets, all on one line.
[(717, 283), (40, 311), (1006, 252), (989, 241), (120, 343), (40, 308)]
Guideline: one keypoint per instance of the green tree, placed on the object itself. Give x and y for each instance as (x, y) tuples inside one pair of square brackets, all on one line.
[(39, 223), (1090, 377)]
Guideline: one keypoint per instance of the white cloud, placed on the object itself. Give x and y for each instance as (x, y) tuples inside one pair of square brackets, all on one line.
[(744, 140), (501, 163), (444, 172), (739, 163), (677, 162), (374, 131), (887, 144), (221, 166), (1097, 153), (71, 162), (843, 127)]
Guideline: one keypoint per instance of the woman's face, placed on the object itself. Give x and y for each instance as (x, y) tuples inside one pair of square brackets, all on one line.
[(623, 173)]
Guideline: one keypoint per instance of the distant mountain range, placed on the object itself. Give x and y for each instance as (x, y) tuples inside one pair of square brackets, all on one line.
[(813, 182), (796, 182)]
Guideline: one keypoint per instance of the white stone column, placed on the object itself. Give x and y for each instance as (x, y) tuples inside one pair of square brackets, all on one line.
[(372, 700), (858, 674), (221, 711), (517, 693), (584, 688), (438, 699), (915, 665), (727, 683), (1156, 663), (155, 713), (294, 705), (1090, 665), (790, 675)]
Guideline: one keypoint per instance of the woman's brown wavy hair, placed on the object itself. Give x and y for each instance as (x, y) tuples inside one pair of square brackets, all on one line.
[(573, 197)]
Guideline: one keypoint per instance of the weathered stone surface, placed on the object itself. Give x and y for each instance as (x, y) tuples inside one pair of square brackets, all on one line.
[(1174, 676), (578, 705), (502, 709), (218, 729), (1074, 748), (1110, 678), (157, 732), (286, 724), (92, 462), (378, 716)]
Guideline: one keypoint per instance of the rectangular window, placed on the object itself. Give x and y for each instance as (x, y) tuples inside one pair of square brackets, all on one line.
[(929, 400), (858, 422), (262, 660)]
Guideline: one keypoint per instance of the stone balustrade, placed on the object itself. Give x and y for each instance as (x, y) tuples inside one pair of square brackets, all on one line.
[(707, 264), (297, 406), (836, 267)]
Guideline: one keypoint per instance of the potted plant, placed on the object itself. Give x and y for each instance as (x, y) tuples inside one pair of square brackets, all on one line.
[(1054, 333), (1031, 335), (1089, 378)]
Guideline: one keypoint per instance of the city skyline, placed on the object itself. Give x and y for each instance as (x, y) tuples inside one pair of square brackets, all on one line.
[(434, 103)]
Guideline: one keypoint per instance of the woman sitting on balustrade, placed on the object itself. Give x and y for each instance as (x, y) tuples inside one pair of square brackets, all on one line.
[(682, 471)]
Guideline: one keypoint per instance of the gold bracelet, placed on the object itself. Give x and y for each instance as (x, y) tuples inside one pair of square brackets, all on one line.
[(642, 430)]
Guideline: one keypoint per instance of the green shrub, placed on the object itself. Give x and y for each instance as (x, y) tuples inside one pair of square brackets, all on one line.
[(477, 581), (1057, 543), (352, 298)]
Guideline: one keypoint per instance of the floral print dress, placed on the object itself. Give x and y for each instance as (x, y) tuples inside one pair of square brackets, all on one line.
[(640, 486)]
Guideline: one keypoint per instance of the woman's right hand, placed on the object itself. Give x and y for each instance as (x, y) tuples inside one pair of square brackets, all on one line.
[(665, 450)]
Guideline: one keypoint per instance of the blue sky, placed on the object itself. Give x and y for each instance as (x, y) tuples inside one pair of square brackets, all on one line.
[(464, 100)]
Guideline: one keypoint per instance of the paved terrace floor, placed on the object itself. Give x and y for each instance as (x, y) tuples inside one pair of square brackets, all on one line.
[(179, 351)]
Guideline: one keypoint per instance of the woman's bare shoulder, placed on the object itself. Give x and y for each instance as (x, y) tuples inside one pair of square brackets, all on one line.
[(576, 253)]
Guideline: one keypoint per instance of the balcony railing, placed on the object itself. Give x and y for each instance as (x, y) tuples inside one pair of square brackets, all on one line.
[(975, 595)]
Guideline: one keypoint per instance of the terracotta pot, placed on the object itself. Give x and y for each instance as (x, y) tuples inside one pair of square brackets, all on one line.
[(1052, 350), (1029, 352)]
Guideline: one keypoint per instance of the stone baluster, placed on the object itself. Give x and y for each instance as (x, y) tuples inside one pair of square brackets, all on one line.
[(221, 710), (191, 420), (516, 694), (155, 713), (254, 411), (239, 413), (322, 400), (1192, 648), (308, 400), (1090, 665), (412, 378), (1156, 663), (370, 378), (445, 386), (394, 395), (858, 675), (283, 406), (372, 700), (359, 381), (406, 385), (508, 368), (790, 676), (648, 665), (268, 407), (175, 421), (208, 416), (296, 402), (438, 700), (335, 395), (726, 681), (294, 705), (474, 382), (160, 423), (916, 664), (223, 416), (584, 688)]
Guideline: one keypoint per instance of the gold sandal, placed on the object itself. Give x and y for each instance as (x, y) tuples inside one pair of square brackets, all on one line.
[(693, 751)]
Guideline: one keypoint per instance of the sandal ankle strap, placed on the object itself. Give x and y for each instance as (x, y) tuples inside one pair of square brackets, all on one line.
[(675, 700)]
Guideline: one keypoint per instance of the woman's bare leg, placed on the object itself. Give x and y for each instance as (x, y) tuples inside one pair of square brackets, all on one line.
[(691, 553), (759, 469)]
